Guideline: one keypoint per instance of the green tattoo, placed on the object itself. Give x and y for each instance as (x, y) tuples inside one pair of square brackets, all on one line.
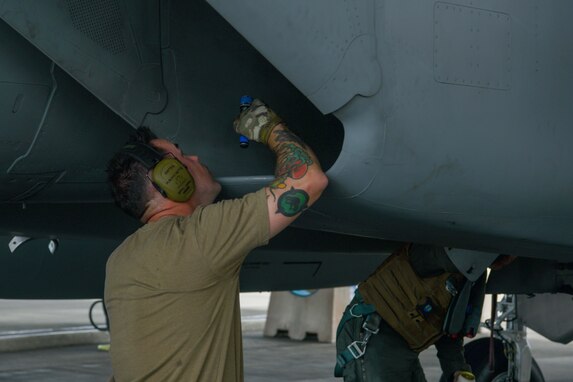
[(292, 202)]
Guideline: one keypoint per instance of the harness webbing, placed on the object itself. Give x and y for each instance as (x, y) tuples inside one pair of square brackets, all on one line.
[(370, 326)]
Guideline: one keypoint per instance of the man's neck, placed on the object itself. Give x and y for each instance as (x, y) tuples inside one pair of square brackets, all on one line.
[(173, 210)]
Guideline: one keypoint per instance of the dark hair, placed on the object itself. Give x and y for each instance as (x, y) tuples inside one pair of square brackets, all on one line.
[(128, 177)]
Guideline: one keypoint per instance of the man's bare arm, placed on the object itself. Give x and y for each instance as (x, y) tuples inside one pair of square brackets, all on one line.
[(299, 179)]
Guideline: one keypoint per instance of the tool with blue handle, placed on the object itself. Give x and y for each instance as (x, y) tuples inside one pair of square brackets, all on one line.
[(245, 102)]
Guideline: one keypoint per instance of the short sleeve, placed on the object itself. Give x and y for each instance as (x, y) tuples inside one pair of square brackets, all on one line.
[(227, 231)]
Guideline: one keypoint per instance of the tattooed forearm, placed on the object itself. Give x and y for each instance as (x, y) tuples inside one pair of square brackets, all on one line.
[(293, 161), (288, 136)]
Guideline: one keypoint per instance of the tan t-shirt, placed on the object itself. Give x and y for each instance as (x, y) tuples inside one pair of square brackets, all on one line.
[(172, 294)]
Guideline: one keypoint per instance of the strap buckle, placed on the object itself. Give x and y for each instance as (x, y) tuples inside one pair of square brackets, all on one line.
[(372, 324), (355, 350), (352, 313)]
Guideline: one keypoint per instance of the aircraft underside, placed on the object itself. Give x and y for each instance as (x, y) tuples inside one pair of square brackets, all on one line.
[(439, 123)]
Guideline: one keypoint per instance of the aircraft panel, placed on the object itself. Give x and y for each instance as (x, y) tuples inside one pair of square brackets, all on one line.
[(110, 46), (329, 59), (479, 58)]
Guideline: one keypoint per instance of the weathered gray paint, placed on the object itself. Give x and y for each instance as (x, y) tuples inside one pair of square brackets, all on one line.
[(450, 122)]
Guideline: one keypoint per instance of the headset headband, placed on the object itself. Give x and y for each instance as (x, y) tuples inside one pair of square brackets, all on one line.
[(143, 153)]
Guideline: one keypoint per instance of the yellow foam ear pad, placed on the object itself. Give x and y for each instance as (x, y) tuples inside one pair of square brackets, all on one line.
[(174, 179)]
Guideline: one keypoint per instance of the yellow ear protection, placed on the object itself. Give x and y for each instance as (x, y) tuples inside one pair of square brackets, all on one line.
[(169, 176)]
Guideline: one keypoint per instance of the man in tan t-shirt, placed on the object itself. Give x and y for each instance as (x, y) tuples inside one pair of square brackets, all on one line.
[(172, 287)]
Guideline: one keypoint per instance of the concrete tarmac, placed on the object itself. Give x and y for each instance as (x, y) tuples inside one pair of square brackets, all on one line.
[(266, 359)]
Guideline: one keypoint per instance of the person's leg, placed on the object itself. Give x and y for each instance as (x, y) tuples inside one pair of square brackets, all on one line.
[(387, 359), (451, 355), (418, 373), (350, 332)]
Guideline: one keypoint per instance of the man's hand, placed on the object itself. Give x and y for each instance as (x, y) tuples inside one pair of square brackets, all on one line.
[(257, 122)]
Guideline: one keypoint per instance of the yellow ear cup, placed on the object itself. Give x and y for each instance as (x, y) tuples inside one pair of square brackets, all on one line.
[(174, 179)]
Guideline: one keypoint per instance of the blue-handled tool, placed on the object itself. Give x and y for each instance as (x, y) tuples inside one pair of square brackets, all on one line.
[(245, 102)]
